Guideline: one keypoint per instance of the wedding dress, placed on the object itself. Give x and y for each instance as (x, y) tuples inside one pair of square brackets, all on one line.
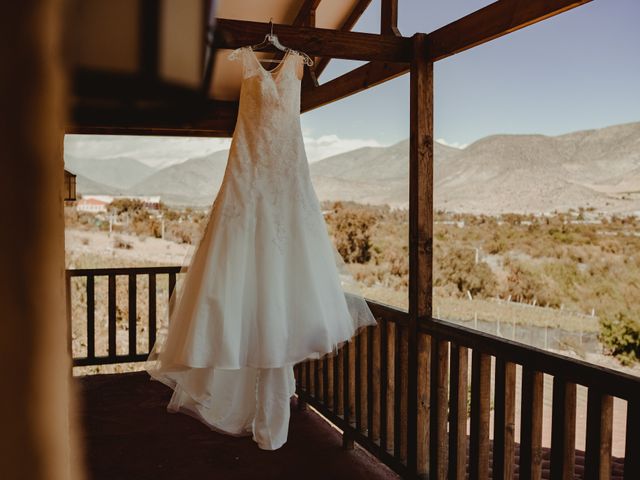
[(266, 289)]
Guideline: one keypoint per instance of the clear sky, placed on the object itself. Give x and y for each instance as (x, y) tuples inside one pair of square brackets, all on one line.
[(578, 70)]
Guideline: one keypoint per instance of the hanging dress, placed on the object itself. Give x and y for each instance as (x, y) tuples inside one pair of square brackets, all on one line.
[(265, 289)]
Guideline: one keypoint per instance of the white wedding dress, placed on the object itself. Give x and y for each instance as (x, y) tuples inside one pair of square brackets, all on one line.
[(266, 288)]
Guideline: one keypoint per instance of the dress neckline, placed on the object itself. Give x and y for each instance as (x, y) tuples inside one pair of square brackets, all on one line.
[(274, 72)]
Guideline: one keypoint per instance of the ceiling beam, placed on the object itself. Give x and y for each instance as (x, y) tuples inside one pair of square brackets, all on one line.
[(389, 17), (481, 26), (357, 80), (348, 24), (493, 21), (316, 41)]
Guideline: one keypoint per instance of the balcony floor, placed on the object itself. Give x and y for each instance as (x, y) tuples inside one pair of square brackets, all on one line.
[(129, 434)]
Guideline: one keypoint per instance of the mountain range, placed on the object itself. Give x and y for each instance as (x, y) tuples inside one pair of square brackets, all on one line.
[(500, 173)]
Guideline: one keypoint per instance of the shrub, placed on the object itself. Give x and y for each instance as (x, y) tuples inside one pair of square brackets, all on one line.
[(620, 335), (351, 230)]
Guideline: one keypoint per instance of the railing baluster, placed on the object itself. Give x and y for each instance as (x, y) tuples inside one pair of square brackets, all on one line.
[(388, 345), (133, 315), (317, 381), (359, 383), (172, 284), (424, 395), (439, 397), (91, 317), (152, 310), (504, 420), (325, 380), (374, 379), (597, 461), (384, 370), (112, 316), (352, 382), (347, 438), (331, 383), (370, 389), (632, 445), (403, 386), (563, 429), (531, 425), (458, 412), (480, 416), (308, 387), (397, 389), (339, 379)]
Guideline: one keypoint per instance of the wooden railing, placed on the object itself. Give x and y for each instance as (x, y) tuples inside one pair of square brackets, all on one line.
[(363, 390), (87, 282)]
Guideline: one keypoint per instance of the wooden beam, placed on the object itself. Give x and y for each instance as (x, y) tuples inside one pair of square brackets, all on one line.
[(209, 56), (421, 241), (316, 41), (347, 25), (493, 21), (305, 11), (389, 17), (355, 81), (215, 117), (149, 37)]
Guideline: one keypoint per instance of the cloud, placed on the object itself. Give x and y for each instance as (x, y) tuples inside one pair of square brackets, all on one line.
[(165, 151), (154, 151), (442, 141), (329, 145)]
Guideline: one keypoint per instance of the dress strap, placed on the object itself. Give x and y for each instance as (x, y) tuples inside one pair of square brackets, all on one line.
[(249, 66)]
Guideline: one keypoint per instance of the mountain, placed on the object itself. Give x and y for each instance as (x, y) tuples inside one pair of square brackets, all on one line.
[(496, 174), (193, 182), (86, 186), (119, 172)]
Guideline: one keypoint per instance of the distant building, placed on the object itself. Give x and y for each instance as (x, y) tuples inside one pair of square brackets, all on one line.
[(91, 205)]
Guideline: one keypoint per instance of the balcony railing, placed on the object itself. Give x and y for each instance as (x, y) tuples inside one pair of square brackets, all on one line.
[(363, 390)]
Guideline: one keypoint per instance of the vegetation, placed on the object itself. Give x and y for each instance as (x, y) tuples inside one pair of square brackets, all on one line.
[(575, 263)]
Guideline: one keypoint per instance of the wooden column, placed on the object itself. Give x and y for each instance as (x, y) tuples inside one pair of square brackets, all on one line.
[(420, 226), (38, 438)]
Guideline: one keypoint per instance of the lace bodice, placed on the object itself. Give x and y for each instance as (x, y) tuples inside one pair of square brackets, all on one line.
[(267, 159)]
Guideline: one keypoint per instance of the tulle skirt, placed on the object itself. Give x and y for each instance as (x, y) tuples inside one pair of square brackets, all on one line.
[(258, 297)]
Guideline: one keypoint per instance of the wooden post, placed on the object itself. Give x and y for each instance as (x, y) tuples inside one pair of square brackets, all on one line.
[(420, 226), (39, 437)]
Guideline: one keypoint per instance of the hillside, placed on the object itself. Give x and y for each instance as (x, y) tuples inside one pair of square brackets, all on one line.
[(597, 169)]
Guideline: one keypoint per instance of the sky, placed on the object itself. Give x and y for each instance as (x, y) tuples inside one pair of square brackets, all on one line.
[(578, 70)]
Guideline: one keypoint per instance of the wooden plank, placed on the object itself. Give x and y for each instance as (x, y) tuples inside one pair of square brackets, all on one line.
[(493, 21), (133, 315), (439, 405), (347, 439), (153, 321), (459, 382), (360, 384), (388, 392), (351, 381), (504, 420), (398, 411), (149, 37), (531, 425), (615, 383), (373, 382), (480, 416), (424, 400), (597, 462), (420, 238), (213, 118), (357, 80), (389, 17), (563, 429), (233, 34), (111, 332), (91, 317), (632, 445)]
